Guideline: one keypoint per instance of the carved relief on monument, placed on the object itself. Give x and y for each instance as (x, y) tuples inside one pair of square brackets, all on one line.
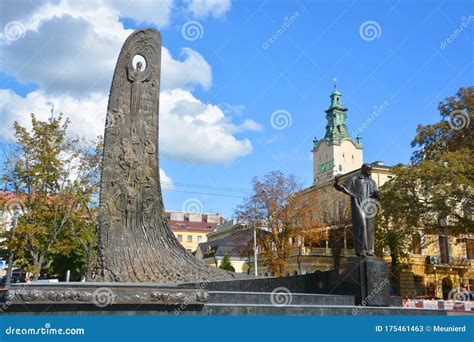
[(135, 240)]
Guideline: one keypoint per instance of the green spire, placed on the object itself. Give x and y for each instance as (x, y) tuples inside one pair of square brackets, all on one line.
[(336, 129)]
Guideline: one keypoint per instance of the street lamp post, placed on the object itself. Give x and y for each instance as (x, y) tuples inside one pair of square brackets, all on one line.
[(255, 249), (8, 279)]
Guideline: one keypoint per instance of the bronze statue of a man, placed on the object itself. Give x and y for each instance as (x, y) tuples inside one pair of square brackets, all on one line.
[(364, 197)]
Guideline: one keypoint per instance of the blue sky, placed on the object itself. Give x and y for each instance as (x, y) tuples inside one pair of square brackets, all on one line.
[(403, 61)]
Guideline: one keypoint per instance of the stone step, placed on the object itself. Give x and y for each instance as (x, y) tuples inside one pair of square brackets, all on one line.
[(309, 310), (278, 298), (214, 309)]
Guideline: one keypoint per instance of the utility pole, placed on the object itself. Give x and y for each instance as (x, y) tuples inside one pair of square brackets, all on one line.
[(8, 279), (255, 249)]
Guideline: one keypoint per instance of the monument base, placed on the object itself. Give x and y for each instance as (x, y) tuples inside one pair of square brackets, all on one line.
[(133, 299), (366, 278), (102, 295)]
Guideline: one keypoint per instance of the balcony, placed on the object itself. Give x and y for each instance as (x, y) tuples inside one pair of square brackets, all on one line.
[(318, 251), (461, 263)]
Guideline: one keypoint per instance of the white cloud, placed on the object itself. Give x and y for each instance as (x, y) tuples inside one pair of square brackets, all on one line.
[(145, 11), (231, 109), (250, 125), (14, 10), (101, 17), (66, 49), (166, 181), (102, 14), (202, 9), (191, 71), (197, 132), (70, 49), (87, 115), (189, 129)]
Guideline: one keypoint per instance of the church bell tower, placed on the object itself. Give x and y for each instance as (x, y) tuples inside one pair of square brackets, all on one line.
[(337, 153)]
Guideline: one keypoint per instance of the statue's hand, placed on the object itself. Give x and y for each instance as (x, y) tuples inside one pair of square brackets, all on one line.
[(375, 195)]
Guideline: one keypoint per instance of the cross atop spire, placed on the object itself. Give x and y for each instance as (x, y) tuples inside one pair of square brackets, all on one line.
[(336, 129)]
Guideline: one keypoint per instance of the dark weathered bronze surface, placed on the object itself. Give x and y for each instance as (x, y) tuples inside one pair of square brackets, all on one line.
[(364, 198), (135, 241)]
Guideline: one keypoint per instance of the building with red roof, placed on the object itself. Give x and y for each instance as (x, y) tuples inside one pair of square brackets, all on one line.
[(191, 229)]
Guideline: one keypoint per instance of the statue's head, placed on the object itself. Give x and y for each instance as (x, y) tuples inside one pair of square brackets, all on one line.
[(139, 66), (366, 170)]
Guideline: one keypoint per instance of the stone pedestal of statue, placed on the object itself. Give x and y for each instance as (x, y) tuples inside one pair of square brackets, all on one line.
[(366, 278)]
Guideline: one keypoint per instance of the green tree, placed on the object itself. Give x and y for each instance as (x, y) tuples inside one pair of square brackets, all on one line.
[(321, 217), (226, 264), (265, 210), (453, 133), (55, 179), (434, 194)]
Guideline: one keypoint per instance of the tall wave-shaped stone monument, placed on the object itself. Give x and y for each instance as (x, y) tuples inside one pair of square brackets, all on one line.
[(135, 241)]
